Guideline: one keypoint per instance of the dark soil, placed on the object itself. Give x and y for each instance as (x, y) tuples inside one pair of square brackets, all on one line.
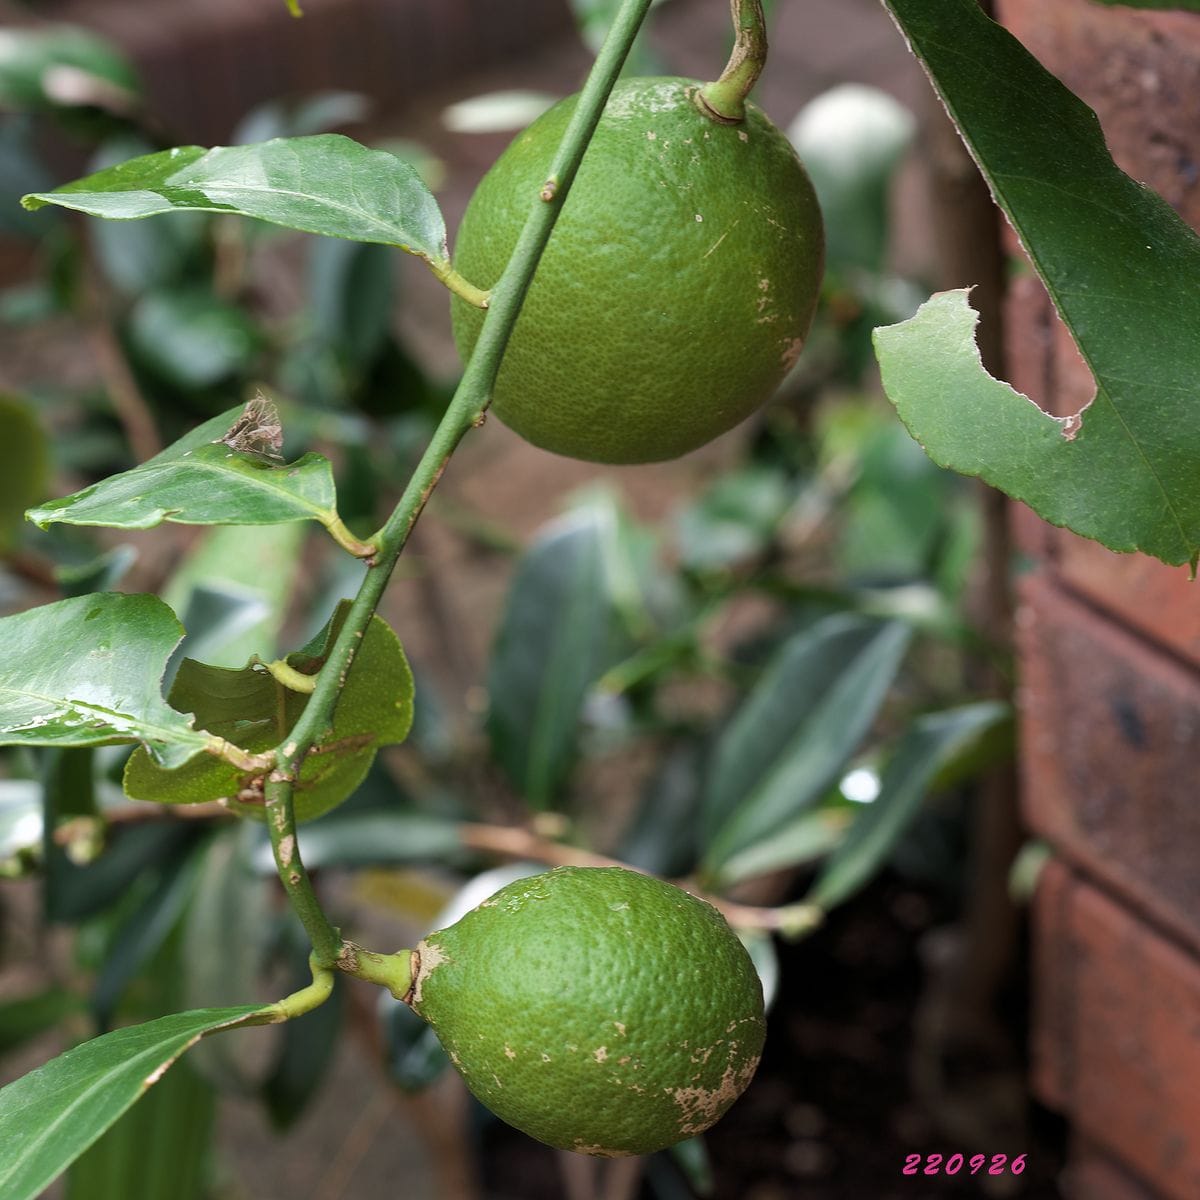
[(831, 1114)]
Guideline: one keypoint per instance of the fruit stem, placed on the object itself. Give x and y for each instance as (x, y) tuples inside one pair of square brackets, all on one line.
[(392, 971), (466, 410), (460, 286), (725, 99)]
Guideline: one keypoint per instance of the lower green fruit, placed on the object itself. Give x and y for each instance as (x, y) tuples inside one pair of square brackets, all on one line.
[(676, 290), (596, 1009)]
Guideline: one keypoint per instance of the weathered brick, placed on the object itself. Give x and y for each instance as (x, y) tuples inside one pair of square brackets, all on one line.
[(1109, 730), (1139, 71), (1117, 1036), (1092, 1175)]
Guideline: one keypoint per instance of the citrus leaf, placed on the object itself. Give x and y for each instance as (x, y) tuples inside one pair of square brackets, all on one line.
[(787, 743), (556, 639), (805, 839), (199, 480), (1120, 266), (253, 710), (52, 1115), (931, 743), (87, 672), (326, 183), (161, 1147)]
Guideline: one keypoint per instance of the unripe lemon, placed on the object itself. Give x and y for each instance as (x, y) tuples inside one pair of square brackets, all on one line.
[(595, 1009), (676, 289)]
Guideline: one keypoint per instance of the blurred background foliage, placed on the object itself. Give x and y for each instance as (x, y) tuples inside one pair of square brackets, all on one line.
[(776, 692)]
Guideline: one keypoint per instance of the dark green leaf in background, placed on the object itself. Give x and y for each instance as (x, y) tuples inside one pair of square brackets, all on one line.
[(200, 480), (50, 1116), (792, 736), (24, 466), (87, 672), (1124, 273), (556, 638), (191, 339), (924, 750), (326, 184), (26, 1017), (251, 709)]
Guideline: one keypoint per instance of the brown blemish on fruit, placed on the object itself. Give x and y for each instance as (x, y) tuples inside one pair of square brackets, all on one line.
[(598, 1151), (509, 1053), (791, 352), (426, 958), (600, 1054), (701, 1107), (620, 1027)]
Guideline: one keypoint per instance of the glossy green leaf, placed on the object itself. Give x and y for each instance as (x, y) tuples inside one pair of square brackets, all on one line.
[(24, 466), (787, 743), (327, 184), (253, 710), (1120, 266), (101, 684), (62, 66), (556, 638), (50, 1116), (159, 1148), (925, 749), (200, 480)]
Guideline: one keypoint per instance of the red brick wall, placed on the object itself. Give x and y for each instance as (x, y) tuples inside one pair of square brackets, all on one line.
[(1110, 696)]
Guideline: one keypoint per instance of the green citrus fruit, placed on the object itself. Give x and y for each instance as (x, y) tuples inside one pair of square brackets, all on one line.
[(677, 287), (596, 1009)]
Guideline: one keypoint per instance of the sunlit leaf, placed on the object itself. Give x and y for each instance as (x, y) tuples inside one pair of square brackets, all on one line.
[(202, 480), (327, 184)]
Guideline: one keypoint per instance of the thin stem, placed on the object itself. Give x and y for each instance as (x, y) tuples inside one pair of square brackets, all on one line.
[(298, 1003), (392, 971), (461, 287), (725, 99), (465, 411), (344, 538)]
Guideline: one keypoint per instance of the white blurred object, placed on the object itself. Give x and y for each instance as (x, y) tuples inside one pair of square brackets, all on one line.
[(852, 131), (496, 112)]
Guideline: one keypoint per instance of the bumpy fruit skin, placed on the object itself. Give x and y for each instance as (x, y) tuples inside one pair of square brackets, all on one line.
[(596, 1009), (676, 290)]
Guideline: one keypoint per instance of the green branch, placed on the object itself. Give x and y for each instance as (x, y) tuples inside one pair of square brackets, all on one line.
[(465, 411)]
